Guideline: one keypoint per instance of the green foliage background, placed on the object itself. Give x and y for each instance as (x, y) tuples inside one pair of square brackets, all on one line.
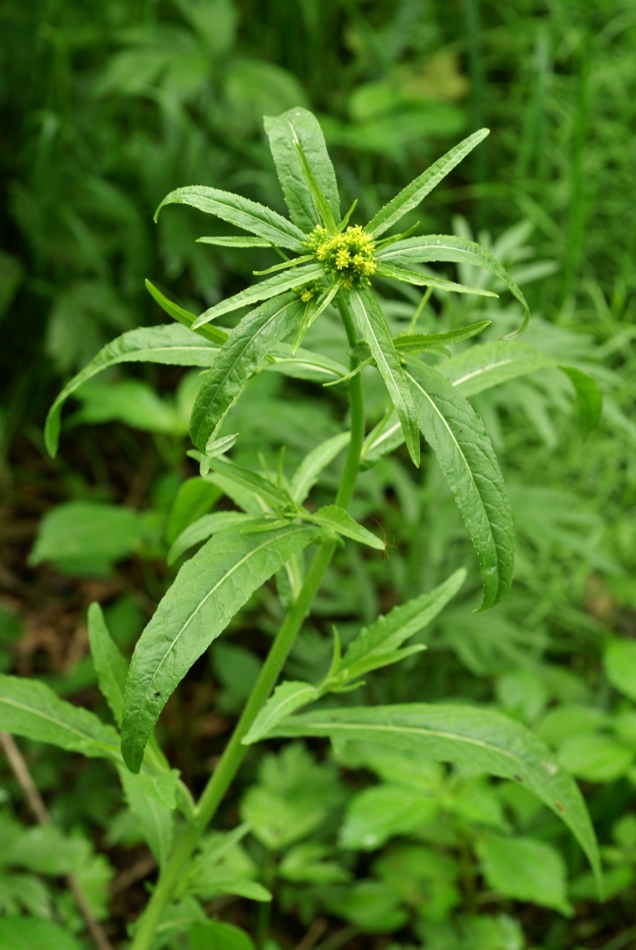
[(104, 108)]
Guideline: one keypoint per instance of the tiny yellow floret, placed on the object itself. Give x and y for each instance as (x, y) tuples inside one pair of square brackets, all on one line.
[(348, 256)]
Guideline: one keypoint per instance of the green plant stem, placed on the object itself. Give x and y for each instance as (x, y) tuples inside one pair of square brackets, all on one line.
[(235, 751)]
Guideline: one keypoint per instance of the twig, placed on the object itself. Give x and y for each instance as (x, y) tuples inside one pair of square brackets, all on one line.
[(39, 809), (313, 935), (128, 876), (341, 938)]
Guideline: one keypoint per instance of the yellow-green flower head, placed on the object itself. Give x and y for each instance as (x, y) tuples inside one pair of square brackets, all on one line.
[(347, 257)]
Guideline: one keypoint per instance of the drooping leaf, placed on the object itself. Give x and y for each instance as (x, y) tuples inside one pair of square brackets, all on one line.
[(286, 699), (337, 519), (376, 333), (202, 529), (247, 346), (428, 280), (467, 460), (185, 317), (468, 735), (370, 648), (451, 249), (419, 342), (588, 396), (110, 665), (265, 290), (209, 589), (31, 709), (307, 473), (420, 187), (490, 364), (284, 131), (173, 345), (242, 212)]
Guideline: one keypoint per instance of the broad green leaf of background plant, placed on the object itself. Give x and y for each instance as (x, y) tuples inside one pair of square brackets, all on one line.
[(173, 345), (213, 933), (208, 590), (420, 187), (491, 364), (155, 819), (284, 131), (620, 666), (29, 933), (31, 709), (265, 290), (524, 869), (468, 462), (467, 735), (447, 248), (377, 335), (242, 212), (246, 347)]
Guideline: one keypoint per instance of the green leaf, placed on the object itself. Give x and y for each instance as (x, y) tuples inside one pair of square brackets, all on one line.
[(377, 335), (458, 250), (173, 345), (265, 290), (110, 665), (382, 812), (428, 280), (243, 213), (336, 519), (467, 460), (208, 590), (30, 933), (383, 439), (375, 643), (185, 317), (202, 529), (524, 869), (306, 475), (29, 708), (466, 735), (248, 344), (221, 936), (588, 397), (286, 699), (491, 364), (235, 241), (155, 820), (596, 757), (320, 202), (620, 666), (300, 127), (420, 187), (194, 498), (303, 364), (274, 495), (420, 342)]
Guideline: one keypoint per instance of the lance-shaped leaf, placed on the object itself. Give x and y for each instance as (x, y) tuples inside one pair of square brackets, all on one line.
[(588, 397), (376, 643), (420, 342), (248, 344), (186, 317), (336, 519), (234, 241), (209, 589), (467, 460), (420, 187), (306, 475), (31, 709), (428, 280), (155, 819), (173, 345), (490, 364), (447, 248), (285, 132), (274, 495), (286, 699), (110, 665), (303, 364), (480, 738), (202, 529), (272, 287), (242, 212), (377, 335)]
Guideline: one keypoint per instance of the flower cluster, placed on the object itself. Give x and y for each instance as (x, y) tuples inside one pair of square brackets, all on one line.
[(348, 256)]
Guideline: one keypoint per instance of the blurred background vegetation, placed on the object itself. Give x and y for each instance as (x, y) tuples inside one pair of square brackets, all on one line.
[(104, 108)]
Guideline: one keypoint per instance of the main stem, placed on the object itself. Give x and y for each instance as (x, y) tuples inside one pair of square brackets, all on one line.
[(235, 750)]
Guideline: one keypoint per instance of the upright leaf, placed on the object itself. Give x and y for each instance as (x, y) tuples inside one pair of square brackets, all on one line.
[(208, 590), (419, 188), (265, 290), (247, 346), (242, 212), (185, 317), (588, 396), (480, 738), (286, 699), (467, 459), (458, 250), (110, 665), (156, 820), (337, 519), (173, 345), (298, 126), (377, 335), (307, 473)]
